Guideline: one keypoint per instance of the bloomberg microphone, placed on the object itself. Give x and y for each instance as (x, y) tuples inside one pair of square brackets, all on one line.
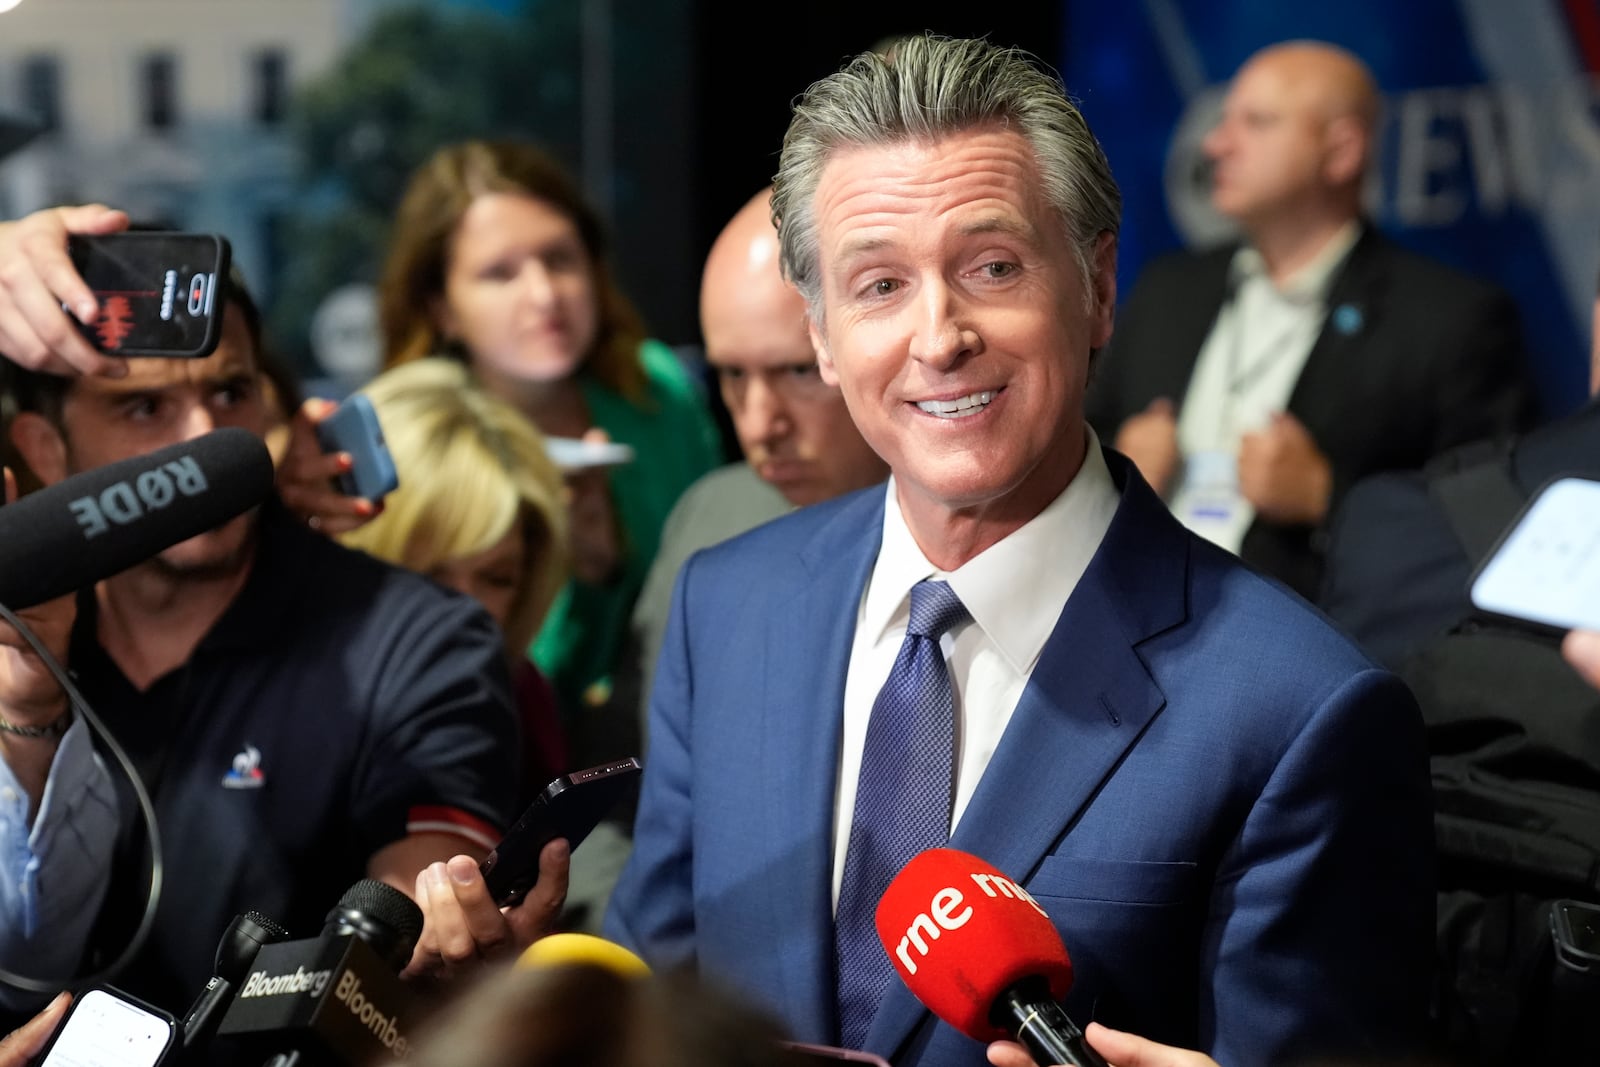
[(100, 522), (980, 953), (336, 999), (237, 950)]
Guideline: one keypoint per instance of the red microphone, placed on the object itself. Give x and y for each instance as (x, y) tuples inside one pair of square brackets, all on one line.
[(981, 954)]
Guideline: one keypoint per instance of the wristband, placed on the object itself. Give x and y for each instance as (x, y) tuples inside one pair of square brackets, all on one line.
[(54, 728)]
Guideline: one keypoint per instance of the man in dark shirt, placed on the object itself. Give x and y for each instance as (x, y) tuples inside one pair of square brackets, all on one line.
[(301, 714)]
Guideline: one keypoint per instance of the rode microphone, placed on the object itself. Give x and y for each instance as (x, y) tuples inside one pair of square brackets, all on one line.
[(980, 953), (237, 950), (100, 522), (336, 999)]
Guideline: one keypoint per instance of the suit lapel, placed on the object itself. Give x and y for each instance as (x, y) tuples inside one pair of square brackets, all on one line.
[(808, 656), (1355, 311), (1088, 700), (1193, 313)]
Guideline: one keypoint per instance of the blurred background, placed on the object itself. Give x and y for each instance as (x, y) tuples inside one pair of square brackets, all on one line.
[(290, 126)]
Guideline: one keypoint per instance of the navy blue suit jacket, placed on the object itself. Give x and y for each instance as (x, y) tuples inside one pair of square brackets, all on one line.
[(1221, 802)]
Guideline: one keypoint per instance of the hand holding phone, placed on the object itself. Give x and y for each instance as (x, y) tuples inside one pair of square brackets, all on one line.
[(354, 429), (157, 293), (568, 807), (1546, 568), (106, 1027)]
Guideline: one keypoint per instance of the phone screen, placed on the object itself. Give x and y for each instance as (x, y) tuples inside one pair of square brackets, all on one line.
[(1576, 927), (159, 293), (1547, 568), (103, 1029)]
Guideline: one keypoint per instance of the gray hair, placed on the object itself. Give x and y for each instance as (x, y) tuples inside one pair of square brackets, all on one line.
[(926, 88)]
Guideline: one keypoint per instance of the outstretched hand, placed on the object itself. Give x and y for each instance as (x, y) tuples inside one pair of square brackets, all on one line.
[(306, 476), (38, 281), (463, 927), (24, 1043)]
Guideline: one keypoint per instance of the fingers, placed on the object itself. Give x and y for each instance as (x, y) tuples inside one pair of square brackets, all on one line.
[(1128, 1050), (1582, 649), (11, 485), (93, 218), (1008, 1054), (37, 278), (461, 924), (540, 911), (329, 511), (306, 476), (1283, 473), (303, 444), (306, 490), (1150, 439), (24, 1043)]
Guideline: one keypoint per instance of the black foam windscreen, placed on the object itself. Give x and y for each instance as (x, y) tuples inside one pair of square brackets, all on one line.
[(101, 522)]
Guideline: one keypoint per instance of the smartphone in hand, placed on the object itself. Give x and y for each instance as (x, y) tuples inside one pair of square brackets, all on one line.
[(106, 1027), (1546, 568), (354, 428), (568, 807), (157, 293)]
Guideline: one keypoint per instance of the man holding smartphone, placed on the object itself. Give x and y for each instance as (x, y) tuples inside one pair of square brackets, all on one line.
[(302, 714)]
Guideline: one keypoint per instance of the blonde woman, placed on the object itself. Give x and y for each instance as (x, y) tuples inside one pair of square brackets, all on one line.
[(479, 509)]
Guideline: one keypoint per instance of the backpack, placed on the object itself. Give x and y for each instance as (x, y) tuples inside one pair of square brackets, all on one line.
[(1514, 750)]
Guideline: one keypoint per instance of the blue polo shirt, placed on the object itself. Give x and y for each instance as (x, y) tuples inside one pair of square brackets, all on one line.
[(338, 704)]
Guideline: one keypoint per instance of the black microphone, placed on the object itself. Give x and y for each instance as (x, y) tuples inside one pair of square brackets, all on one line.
[(101, 522), (235, 953), (336, 999)]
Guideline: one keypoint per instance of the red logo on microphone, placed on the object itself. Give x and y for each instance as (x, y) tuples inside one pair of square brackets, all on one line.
[(959, 932)]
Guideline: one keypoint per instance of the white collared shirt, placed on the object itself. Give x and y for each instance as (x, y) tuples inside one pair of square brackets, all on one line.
[(1014, 590), (1246, 371)]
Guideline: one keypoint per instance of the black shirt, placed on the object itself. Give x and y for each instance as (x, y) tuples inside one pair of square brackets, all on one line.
[(337, 703)]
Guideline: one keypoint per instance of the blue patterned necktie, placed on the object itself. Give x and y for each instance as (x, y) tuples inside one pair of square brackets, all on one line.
[(903, 799)]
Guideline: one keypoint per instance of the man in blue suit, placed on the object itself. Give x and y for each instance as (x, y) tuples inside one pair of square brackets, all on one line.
[(1218, 799)]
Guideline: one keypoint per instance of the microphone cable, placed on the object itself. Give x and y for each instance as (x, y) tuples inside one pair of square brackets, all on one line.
[(141, 934)]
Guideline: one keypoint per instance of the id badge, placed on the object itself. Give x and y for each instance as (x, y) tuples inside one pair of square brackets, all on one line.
[(1210, 492)]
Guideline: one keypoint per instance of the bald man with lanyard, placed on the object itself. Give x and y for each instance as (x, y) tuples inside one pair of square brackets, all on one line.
[(1253, 383)]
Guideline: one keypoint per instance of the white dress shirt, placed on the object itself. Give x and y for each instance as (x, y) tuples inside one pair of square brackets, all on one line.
[(1014, 590), (1246, 371)]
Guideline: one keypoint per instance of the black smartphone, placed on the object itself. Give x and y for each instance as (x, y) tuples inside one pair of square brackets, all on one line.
[(568, 807), (106, 1027), (158, 293), (1575, 926), (354, 428)]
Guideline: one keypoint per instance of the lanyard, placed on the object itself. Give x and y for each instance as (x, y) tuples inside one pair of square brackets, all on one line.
[(1237, 379)]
